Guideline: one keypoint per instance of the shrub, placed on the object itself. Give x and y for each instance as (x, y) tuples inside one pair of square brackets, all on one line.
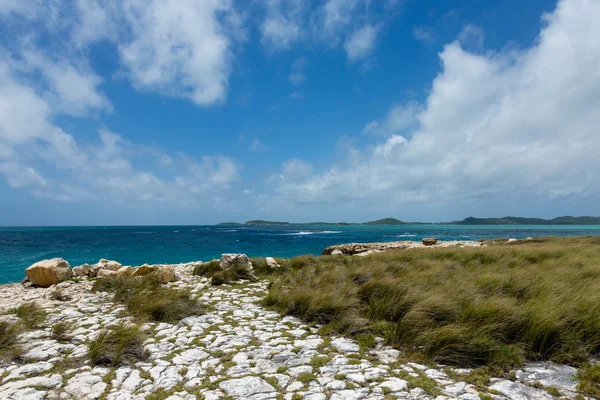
[(31, 314), (60, 331), (207, 269), (146, 298), (493, 305), (589, 380), (116, 345), (9, 348)]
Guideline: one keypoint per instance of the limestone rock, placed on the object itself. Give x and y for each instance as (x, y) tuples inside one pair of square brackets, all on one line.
[(82, 270), (143, 270), (232, 260), (247, 387), (103, 264), (166, 274), (512, 240), (429, 241), (125, 271), (271, 262), (46, 273), (337, 253), (106, 272)]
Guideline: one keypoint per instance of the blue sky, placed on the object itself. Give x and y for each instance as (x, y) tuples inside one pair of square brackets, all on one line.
[(192, 112)]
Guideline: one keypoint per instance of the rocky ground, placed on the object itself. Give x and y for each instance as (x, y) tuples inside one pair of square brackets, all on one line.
[(237, 349), (364, 249)]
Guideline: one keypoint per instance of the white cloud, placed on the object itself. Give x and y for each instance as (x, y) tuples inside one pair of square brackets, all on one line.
[(360, 44), (399, 118), (281, 28), (297, 76), (179, 48), (520, 125), (296, 96), (423, 33)]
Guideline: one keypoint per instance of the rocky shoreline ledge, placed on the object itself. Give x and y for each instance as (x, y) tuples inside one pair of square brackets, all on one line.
[(236, 349)]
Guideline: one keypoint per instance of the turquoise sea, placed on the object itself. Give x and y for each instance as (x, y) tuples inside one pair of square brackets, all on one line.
[(135, 245)]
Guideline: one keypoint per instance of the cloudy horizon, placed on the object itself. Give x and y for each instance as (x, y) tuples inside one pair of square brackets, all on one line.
[(199, 112)]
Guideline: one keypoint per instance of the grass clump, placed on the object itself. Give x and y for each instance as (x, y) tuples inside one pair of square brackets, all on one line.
[(116, 345), (31, 314), (494, 305), (589, 380), (223, 276), (61, 331), (146, 298), (9, 347)]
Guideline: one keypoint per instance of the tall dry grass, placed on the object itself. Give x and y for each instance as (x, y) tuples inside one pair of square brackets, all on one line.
[(494, 305)]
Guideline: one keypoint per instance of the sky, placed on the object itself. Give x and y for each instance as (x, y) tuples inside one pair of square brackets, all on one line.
[(123, 112)]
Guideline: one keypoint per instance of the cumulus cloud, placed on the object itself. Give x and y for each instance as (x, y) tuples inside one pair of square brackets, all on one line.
[(281, 27), (180, 48), (517, 124), (332, 23), (361, 42)]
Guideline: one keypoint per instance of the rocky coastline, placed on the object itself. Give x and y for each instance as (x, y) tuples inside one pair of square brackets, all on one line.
[(236, 349)]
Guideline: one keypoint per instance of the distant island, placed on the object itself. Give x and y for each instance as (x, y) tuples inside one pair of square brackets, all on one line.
[(566, 220)]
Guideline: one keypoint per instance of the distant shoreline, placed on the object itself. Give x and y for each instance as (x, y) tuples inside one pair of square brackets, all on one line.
[(565, 220)]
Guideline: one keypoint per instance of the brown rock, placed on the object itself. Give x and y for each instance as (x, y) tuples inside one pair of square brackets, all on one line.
[(429, 241), (125, 271), (106, 272), (166, 274), (143, 270), (46, 273)]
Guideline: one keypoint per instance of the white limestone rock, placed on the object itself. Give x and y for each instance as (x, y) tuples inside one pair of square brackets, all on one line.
[(248, 388), (231, 260)]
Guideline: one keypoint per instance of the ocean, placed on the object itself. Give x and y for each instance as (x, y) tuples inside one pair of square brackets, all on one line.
[(136, 245)]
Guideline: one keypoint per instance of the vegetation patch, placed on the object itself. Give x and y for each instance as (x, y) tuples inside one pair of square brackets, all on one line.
[(31, 314), (146, 298), (61, 331), (9, 347), (494, 305), (117, 345), (589, 380), (223, 276)]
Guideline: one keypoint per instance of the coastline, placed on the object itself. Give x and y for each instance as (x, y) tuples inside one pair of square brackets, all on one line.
[(238, 346)]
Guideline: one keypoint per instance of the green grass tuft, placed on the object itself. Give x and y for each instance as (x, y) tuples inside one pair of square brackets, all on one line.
[(60, 331), (494, 305), (9, 347), (117, 345), (146, 298), (589, 380), (31, 314)]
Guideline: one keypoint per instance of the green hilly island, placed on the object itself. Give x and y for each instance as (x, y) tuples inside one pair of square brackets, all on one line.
[(565, 220)]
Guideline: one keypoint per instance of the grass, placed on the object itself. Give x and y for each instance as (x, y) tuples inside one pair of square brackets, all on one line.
[(9, 347), (146, 298), (589, 380), (60, 331), (495, 305), (116, 345), (30, 313), (221, 277)]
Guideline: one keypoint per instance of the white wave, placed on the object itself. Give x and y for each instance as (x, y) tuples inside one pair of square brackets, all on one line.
[(302, 233), (407, 235)]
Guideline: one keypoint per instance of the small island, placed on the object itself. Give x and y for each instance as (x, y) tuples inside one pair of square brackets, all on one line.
[(565, 220)]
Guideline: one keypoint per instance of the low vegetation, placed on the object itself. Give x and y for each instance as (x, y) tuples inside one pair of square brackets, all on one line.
[(146, 298), (589, 380), (9, 347), (61, 331), (220, 277), (495, 305), (31, 314), (118, 345)]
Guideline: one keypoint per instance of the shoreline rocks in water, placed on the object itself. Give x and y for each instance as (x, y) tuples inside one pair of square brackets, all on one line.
[(363, 249)]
